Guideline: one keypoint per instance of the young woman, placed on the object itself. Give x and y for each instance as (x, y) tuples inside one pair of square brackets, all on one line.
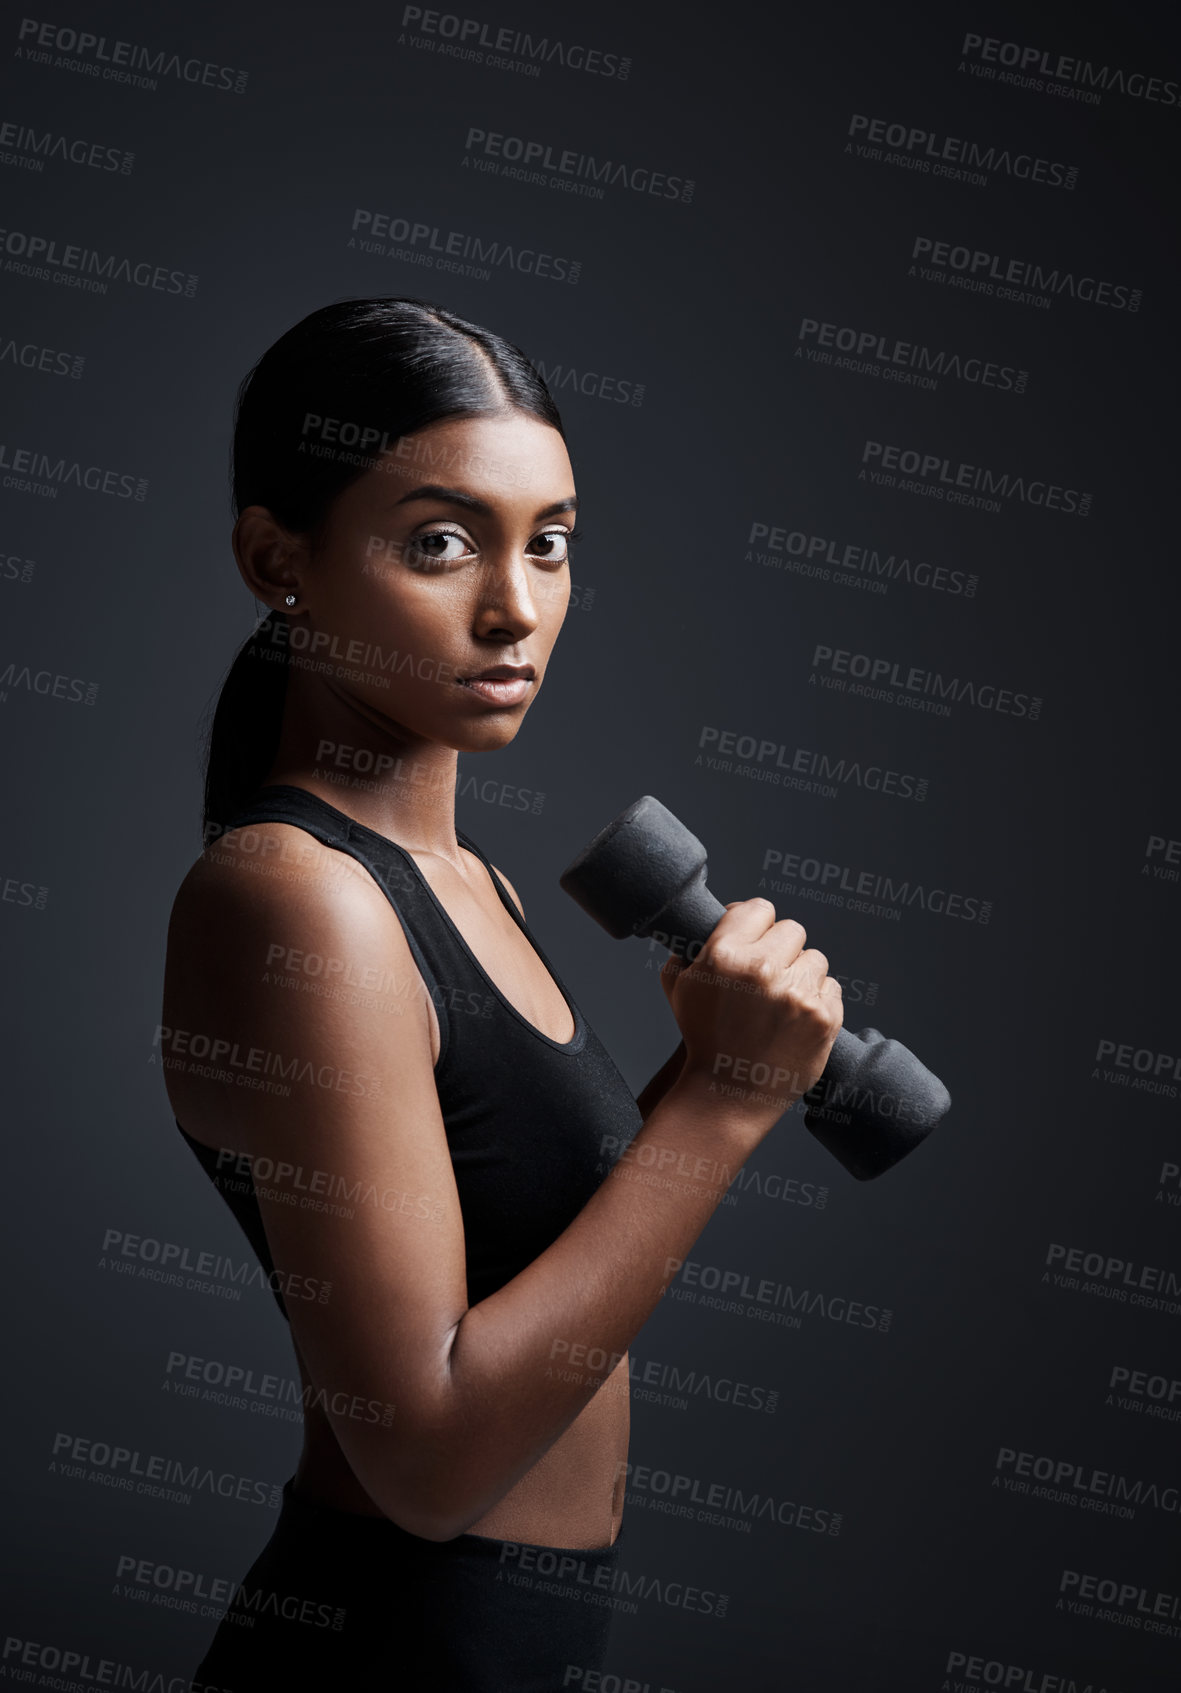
[(403, 1106)]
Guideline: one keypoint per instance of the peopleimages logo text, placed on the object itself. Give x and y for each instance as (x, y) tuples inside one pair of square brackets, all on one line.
[(427, 241), (828, 883), (1063, 67), (1066, 1481), (973, 1670), (952, 156), (845, 556), (568, 378), (1153, 1287), (541, 157), (942, 474), (24, 467), (114, 60), (910, 359), (37, 145), (839, 662), (37, 255), (471, 34), (983, 267)]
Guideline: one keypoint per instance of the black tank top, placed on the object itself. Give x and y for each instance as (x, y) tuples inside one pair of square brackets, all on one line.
[(532, 1124)]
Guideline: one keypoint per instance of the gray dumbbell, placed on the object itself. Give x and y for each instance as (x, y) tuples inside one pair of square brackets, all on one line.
[(644, 875)]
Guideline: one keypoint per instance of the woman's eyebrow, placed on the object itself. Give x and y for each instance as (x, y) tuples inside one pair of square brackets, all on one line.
[(456, 496)]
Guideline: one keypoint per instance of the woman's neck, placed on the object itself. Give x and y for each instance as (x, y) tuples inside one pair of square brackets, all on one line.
[(397, 804), (400, 785)]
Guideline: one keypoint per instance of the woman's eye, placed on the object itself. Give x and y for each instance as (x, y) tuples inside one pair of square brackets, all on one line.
[(552, 544), (434, 547)]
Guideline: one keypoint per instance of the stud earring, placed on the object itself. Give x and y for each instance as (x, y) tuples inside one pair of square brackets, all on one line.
[(291, 599)]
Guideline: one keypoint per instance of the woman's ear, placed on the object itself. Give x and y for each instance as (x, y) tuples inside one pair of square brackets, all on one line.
[(268, 556)]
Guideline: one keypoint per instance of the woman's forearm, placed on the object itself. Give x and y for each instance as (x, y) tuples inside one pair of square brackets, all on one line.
[(654, 1091), (525, 1361)]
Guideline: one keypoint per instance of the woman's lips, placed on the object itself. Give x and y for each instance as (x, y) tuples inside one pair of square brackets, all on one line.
[(499, 690)]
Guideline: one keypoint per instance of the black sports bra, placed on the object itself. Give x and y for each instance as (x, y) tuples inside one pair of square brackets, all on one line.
[(532, 1124)]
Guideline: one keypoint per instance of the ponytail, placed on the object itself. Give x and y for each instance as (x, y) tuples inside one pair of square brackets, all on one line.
[(244, 736)]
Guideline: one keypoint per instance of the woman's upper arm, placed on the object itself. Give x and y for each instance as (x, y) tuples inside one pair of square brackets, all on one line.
[(358, 1196)]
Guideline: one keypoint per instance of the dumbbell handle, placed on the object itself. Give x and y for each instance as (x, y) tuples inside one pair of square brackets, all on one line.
[(874, 1101)]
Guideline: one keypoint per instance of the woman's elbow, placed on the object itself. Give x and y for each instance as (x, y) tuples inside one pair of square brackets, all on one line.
[(424, 1476), (426, 1493), (431, 1517)]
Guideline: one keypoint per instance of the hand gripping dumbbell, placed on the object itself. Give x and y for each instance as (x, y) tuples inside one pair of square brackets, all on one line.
[(644, 875)]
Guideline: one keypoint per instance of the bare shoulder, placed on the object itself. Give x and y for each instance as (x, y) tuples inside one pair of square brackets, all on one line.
[(272, 867), (264, 895), (274, 936)]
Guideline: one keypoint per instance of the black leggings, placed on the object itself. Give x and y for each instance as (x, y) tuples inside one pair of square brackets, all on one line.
[(340, 1602)]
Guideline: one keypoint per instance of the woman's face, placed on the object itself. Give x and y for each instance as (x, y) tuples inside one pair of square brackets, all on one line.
[(447, 559)]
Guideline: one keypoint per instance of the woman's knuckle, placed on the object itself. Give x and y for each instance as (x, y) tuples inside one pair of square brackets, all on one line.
[(725, 959)]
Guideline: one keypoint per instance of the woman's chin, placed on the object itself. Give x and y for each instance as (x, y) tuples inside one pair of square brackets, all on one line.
[(489, 735)]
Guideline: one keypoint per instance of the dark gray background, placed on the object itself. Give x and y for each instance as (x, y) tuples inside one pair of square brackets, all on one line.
[(701, 303)]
